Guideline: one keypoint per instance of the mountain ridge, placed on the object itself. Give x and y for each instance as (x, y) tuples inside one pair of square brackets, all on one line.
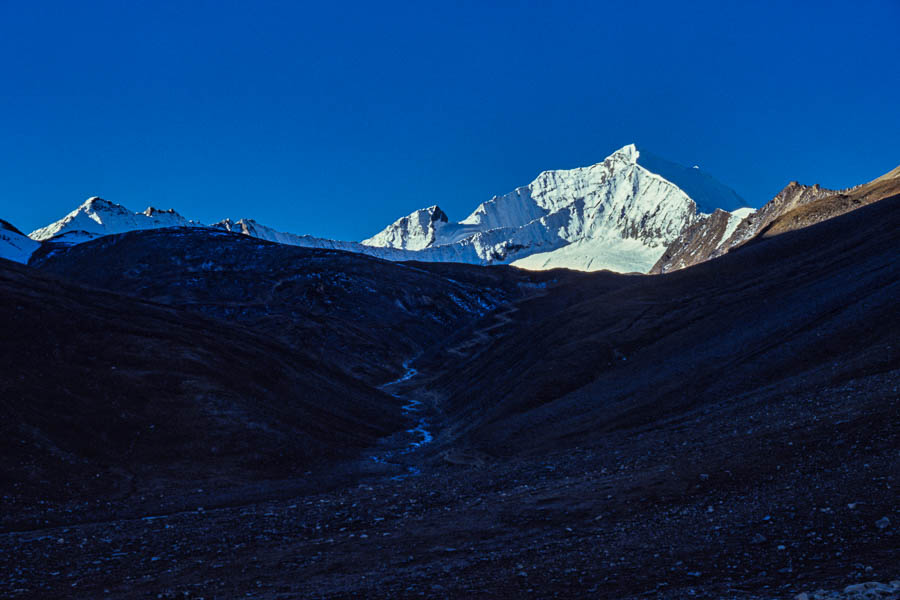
[(615, 214)]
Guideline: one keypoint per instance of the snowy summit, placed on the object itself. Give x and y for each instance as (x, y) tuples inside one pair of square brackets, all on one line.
[(619, 214), (96, 217)]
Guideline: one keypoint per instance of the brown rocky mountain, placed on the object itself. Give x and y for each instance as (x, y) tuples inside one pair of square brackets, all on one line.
[(794, 207), (697, 243), (831, 205)]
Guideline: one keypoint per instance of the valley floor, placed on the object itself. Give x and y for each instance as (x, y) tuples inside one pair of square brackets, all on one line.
[(673, 512)]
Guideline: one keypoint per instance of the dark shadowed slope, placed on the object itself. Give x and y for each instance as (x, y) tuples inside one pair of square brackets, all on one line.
[(105, 394), (355, 312), (808, 310)]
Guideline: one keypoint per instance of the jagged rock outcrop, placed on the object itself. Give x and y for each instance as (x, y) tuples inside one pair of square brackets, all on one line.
[(700, 241)]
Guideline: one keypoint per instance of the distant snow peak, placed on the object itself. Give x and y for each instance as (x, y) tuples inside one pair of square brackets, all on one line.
[(96, 216), (628, 154), (416, 231), (96, 200)]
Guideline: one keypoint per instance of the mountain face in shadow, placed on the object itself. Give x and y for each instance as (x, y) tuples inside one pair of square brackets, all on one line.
[(809, 309), (104, 394)]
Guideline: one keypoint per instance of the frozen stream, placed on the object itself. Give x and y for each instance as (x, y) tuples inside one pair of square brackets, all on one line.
[(421, 432)]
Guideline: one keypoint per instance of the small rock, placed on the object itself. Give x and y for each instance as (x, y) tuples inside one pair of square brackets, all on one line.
[(758, 539), (882, 523)]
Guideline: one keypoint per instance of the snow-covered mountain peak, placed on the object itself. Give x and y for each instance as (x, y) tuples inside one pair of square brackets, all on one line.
[(416, 231), (626, 154), (96, 216), (95, 201), (97, 205), (630, 195)]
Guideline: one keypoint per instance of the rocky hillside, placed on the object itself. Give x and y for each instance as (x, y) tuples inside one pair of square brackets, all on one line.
[(832, 205), (705, 238), (105, 394), (812, 308), (362, 314)]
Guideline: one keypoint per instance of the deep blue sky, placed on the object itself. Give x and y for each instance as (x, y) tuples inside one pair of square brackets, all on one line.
[(334, 119)]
